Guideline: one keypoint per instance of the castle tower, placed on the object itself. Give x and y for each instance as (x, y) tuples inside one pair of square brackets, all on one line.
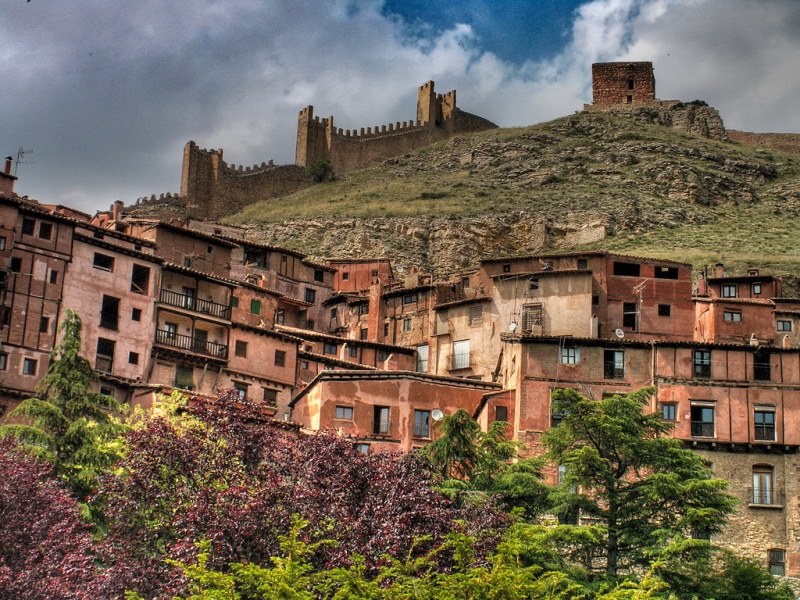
[(623, 83), (201, 169), (426, 104), (313, 138)]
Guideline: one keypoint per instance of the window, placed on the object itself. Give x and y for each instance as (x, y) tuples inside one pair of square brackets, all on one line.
[(311, 296), (629, 315), (664, 310), (702, 416), (406, 325), (133, 358), (531, 317), (629, 100), (666, 272), (209, 249), (140, 279), (28, 225), (255, 307), (777, 562), (422, 424), (624, 269), (280, 358), (345, 276), (2, 242), (53, 276), (701, 362), (756, 289), (171, 331), (344, 412), (280, 316), (764, 420), (422, 359), (409, 299), (783, 325), (270, 396), (187, 262), (241, 389), (44, 324), (29, 366), (533, 284), (630, 84), (16, 265), (380, 420), (334, 313), (383, 355), (668, 411), (729, 290), (583, 263), (363, 333), (595, 300), (762, 363), (109, 313), (184, 377), (570, 356), (363, 448), (363, 309), (240, 349), (3, 361), (506, 268), (614, 364), (352, 351), (461, 354), (234, 302), (763, 491), (318, 275), (136, 314), (501, 413), (732, 316), (45, 230), (556, 415), (476, 314), (103, 262), (330, 348), (304, 364)]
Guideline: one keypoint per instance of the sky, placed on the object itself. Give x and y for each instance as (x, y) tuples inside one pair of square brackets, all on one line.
[(103, 95)]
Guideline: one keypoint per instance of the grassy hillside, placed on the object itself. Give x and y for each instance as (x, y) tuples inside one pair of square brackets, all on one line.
[(658, 191)]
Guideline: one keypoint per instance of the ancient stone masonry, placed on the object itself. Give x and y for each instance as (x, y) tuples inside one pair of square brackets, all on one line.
[(438, 118), (629, 89)]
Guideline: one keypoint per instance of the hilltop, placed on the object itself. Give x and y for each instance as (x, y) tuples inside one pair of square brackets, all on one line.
[(591, 180)]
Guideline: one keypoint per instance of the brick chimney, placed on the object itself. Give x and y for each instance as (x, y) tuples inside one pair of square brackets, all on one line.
[(720, 268), (7, 179)]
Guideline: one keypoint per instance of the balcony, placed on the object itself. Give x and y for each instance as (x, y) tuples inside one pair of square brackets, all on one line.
[(612, 370), (702, 429), (190, 344), (206, 307), (765, 497)]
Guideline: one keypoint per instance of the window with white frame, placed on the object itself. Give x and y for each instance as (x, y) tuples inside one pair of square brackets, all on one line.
[(344, 413), (461, 358), (570, 355), (784, 325), (729, 290), (732, 316), (422, 358)]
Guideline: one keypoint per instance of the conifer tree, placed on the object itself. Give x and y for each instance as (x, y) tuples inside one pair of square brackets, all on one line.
[(66, 423)]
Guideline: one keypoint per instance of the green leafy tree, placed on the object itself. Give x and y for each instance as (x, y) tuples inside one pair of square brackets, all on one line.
[(642, 488), (66, 423), (320, 170)]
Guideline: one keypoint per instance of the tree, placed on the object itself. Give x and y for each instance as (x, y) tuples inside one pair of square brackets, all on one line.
[(643, 488), (67, 423), (45, 546), (472, 462)]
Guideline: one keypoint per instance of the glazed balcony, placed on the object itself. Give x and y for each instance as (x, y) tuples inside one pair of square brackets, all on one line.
[(206, 307), (191, 344)]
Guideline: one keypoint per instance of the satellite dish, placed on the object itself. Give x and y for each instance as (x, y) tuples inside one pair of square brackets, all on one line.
[(437, 414), (619, 333), (400, 268), (512, 327)]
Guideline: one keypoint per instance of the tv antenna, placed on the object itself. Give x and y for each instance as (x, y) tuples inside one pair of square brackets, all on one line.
[(20, 154)]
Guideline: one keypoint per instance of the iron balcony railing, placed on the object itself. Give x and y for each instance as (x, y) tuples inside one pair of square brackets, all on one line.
[(207, 307), (612, 370), (765, 496), (765, 433), (190, 344), (462, 360), (702, 429)]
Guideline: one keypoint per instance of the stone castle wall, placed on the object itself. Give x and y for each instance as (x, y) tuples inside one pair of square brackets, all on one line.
[(623, 83)]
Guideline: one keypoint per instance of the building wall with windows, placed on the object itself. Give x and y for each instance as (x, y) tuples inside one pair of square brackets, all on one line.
[(384, 411)]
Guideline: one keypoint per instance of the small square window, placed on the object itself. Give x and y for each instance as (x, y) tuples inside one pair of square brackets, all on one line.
[(318, 275), (352, 351), (240, 349), (363, 309), (311, 296), (16, 265), (330, 348), (583, 263), (383, 355), (344, 412), (409, 299), (270, 396), (756, 289), (501, 413), (304, 364), (241, 389), (133, 358), (234, 302), (28, 226), (784, 325), (732, 316), (664, 310), (45, 230), (103, 262), (140, 279), (570, 356), (506, 268), (255, 307), (668, 411), (729, 290), (53, 277), (187, 262), (406, 325), (345, 276), (363, 448), (29, 366), (280, 358), (136, 314)]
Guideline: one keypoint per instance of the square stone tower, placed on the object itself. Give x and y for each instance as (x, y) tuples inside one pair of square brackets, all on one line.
[(623, 83)]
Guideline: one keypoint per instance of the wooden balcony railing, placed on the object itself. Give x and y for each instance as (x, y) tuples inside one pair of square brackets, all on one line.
[(190, 344), (206, 307)]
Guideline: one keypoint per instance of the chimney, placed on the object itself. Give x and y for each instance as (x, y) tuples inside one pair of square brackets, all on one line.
[(720, 268), (7, 169)]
